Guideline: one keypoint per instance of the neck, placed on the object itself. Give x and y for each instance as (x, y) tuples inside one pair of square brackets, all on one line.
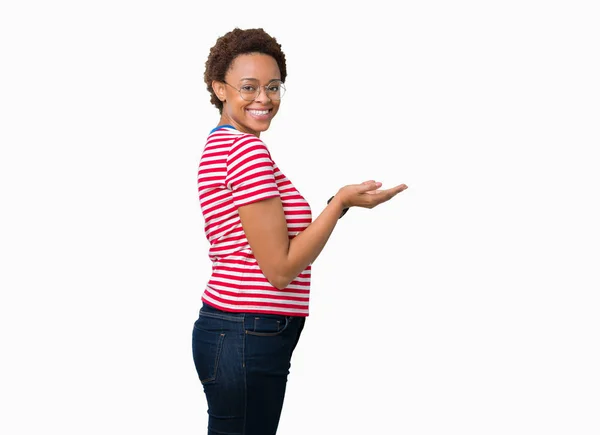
[(225, 120)]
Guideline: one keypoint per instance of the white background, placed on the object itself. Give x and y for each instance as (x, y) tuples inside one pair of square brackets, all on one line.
[(467, 305)]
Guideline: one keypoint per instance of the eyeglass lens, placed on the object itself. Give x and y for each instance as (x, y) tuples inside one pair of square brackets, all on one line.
[(249, 90)]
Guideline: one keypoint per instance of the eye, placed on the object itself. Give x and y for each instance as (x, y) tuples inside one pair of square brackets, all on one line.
[(248, 88), (274, 88)]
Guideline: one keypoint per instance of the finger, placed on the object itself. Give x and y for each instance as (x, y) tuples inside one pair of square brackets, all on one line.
[(379, 196), (368, 185), (396, 190), (392, 191)]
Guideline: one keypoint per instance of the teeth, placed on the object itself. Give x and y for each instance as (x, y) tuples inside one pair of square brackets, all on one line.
[(258, 112)]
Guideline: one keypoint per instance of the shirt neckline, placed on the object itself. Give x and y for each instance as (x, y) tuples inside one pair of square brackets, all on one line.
[(222, 126)]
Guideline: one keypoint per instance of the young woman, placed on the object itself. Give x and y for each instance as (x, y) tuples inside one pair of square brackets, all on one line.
[(262, 241)]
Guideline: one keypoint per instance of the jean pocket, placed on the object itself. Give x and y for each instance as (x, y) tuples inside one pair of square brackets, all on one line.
[(266, 326), (206, 348)]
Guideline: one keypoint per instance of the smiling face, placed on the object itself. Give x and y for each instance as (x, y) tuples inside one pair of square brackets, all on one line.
[(248, 116)]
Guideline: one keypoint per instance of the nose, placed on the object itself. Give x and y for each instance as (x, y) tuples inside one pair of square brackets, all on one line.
[(262, 94)]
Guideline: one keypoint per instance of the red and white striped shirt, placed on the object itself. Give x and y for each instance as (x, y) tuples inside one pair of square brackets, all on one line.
[(236, 169)]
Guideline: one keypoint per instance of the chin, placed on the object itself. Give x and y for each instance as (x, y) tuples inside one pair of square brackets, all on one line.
[(260, 127)]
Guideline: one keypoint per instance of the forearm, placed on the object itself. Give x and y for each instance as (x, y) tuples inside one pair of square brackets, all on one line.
[(280, 259), (306, 246)]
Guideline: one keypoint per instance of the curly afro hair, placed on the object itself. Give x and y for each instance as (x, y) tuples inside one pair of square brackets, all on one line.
[(231, 45)]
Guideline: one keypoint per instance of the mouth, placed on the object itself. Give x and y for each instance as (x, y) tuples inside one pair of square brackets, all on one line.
[(261, 114)]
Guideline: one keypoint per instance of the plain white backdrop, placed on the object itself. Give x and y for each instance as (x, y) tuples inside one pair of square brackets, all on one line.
[(467, 305)]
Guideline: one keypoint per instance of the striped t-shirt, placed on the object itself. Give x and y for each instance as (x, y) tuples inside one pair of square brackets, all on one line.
[(236, 169)]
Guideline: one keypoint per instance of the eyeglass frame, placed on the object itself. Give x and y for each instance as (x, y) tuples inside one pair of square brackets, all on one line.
[(259, 90)]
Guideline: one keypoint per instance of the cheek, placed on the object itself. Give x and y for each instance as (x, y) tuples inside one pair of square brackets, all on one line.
[(234, 106)]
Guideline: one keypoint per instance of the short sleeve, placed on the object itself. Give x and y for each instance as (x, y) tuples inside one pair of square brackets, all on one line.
[(250, 171)]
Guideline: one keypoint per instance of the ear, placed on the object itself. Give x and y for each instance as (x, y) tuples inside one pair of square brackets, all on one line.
[(219, 89)]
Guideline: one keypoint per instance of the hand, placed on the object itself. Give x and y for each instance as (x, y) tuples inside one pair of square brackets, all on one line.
[(367, 194)]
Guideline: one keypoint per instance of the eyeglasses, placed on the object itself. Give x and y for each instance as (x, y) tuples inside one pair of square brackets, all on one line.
[(250, 90)]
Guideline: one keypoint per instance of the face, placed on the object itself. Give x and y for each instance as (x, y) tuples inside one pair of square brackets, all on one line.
[(248, 116)]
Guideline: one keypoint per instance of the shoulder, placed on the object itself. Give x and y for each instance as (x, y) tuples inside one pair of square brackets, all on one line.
[(248, 145)]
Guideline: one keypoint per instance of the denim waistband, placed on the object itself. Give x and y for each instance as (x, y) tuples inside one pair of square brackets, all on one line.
[(235, 316), (211, 311)]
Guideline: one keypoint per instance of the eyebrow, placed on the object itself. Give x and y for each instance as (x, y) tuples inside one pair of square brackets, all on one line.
[(252, 78)]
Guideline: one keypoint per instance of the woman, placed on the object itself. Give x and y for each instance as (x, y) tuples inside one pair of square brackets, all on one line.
[(262, 241)]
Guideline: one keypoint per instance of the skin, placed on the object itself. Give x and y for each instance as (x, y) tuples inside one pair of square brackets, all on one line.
[(281, 259), (237, 111)]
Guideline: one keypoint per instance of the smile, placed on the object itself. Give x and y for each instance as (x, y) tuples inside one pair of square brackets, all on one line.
[(258, 112)]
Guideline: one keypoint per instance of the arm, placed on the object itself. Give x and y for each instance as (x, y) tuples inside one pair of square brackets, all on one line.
[(281, 259), (250, 176)]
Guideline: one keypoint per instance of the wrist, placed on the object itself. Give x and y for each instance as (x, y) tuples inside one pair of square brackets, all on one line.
[(337, 202)]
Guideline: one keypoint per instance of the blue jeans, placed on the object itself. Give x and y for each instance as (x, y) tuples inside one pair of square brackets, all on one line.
[(243, 360)]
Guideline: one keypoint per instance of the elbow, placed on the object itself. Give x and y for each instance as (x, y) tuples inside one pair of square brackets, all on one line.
[(280, 282), (277, 275)]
